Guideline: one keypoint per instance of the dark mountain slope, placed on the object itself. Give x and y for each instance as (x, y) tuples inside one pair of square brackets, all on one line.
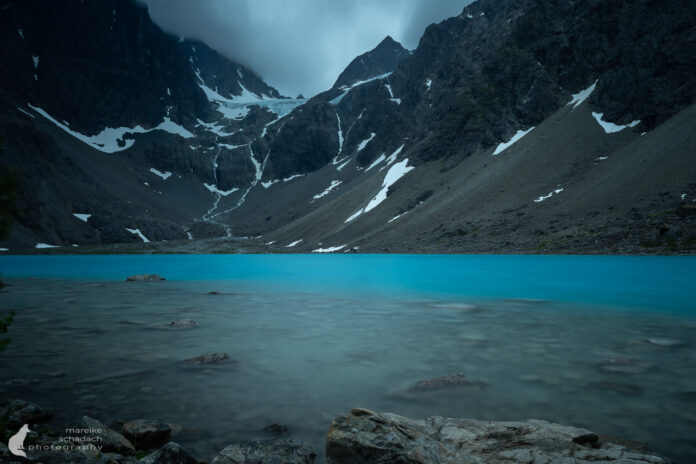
[(511, 102)]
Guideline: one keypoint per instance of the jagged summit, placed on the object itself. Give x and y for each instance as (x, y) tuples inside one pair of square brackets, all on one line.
[(380, 60)]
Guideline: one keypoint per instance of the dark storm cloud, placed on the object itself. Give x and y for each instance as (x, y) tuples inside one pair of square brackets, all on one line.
[(299, 46)]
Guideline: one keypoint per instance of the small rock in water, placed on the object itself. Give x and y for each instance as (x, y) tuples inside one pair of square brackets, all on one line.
[(211, 358), (279, 451), (171, 453), (665, 342), (146, 433), (145, 278), (214, 292), (182, 324), (446, 381), (455, 306), (625, 365), (276, 429)]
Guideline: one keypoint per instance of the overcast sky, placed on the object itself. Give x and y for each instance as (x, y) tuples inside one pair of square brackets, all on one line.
[(299, 46)]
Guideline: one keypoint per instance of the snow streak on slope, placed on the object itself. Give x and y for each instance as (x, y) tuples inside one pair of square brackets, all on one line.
[(348, 88), (549, 195), (164, 175), (581, 96), (610, 127), (138, 233), (82, 217), (111, 140), (329, 189), (329, 249), (364, 143), (505, 145), (395, 173)]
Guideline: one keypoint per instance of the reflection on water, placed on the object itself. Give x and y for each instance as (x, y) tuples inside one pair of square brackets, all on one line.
[(98, 348)]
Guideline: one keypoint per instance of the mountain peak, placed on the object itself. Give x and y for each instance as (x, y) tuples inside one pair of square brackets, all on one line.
[(380, 60)]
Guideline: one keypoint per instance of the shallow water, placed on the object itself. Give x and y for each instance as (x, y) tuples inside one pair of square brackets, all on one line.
[(315, 336)]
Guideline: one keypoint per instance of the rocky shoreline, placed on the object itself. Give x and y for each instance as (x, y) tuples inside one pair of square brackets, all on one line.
[(359, 437)]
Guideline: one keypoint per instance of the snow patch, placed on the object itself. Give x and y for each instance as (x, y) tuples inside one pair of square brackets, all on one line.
[(329, 189), (82, 217), (348, 88), (429, 83), (290, 245), (36, 61), (364, 143), (224, 193), (138, 233), (26, 112), (21, 33), (395, 173), (107, 140), (4, 249), (164, 175), (342, 165), (329, 249), (549, 195), (503, 146), (45, 245), (610, 127), (376, 162), (581, 96), (294, 176), (392, 158), (269, 183)]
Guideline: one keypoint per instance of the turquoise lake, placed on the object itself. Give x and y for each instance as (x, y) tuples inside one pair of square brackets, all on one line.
[(602, 342)]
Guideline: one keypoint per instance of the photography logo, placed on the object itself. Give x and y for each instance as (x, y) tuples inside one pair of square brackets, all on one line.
[(16, 443)]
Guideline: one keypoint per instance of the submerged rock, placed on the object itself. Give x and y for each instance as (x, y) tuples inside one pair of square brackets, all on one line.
[(276, 429), (212, 358), (446, 381), (665, 342), (145, 278), (146, 433), (110, 440), (181, 324), (171, 453), (366, 437), (624, 365), (283, 451)]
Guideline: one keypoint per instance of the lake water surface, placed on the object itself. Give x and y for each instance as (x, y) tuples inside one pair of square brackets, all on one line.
[(606, 343)]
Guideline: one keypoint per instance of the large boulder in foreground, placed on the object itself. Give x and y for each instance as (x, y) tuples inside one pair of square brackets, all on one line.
[(146, 433), (282, 451), (366, 437)]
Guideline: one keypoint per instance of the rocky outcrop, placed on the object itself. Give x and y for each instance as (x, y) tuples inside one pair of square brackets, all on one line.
[(171, 453), (146, 433), (272, 451), (364, 436), (446, 381), (110, 440), (18, 412), (380, 60)]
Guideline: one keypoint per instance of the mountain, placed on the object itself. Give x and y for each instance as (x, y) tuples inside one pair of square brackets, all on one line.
[(516, 126), (380, 60)]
